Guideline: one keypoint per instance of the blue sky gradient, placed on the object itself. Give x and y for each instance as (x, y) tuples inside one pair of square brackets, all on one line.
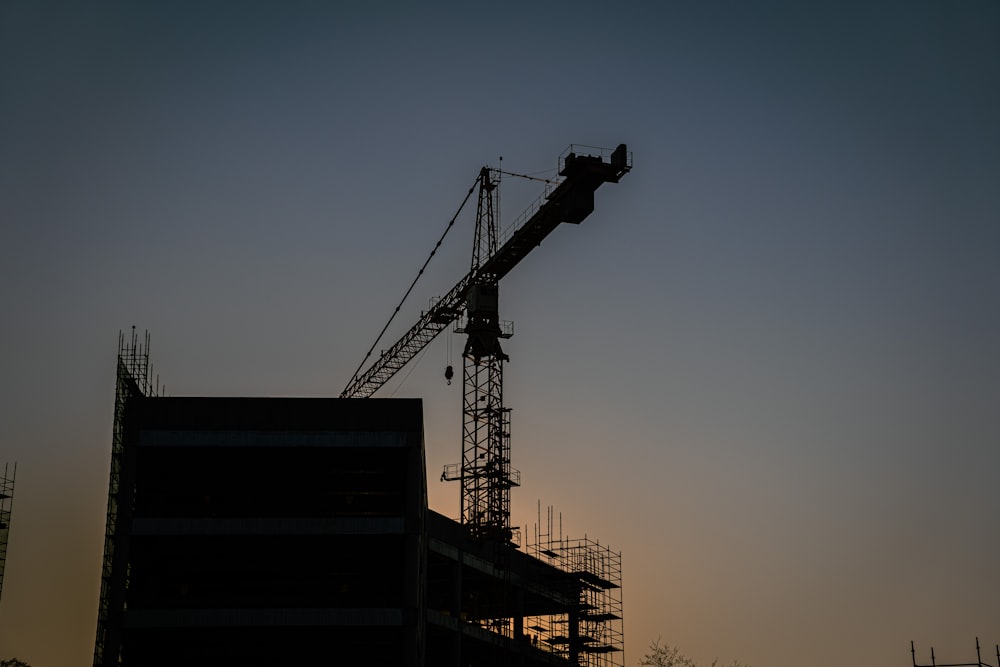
[(766, 368)]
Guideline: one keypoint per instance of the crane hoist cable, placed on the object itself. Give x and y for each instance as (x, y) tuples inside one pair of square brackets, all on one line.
[(412, 367), (451, 223), (530, 177)]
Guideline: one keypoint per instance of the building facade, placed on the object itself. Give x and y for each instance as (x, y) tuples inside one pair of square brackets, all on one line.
[(295, 531)]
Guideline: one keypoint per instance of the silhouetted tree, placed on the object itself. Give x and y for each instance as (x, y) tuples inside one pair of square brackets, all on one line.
[(13, 662), (665, 655)]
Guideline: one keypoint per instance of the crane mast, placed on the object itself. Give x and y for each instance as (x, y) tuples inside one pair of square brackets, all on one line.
[(485, 471)]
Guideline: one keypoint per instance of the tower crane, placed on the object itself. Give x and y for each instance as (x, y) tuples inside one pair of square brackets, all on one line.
[(485, 472)]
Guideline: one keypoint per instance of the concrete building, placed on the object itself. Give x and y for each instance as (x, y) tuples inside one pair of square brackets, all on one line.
[(264, 531)]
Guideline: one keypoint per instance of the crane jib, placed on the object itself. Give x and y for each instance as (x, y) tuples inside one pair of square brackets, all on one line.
[(571, 201)]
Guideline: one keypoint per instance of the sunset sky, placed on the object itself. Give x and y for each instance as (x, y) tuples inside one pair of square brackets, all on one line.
[(766, 369)]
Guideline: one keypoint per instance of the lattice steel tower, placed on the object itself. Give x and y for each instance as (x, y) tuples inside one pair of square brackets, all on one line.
[(485, 471)]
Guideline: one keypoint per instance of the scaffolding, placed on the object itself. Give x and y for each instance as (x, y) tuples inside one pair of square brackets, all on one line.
[(6, 503), (978, 663), (134, 378), (591, 632)]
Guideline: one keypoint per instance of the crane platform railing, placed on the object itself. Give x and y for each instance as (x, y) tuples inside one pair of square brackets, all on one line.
[(526, 215)]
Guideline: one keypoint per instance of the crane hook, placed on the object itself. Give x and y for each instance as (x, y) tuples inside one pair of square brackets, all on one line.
[(449, 373)]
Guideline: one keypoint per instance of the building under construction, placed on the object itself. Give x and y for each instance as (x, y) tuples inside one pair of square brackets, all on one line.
[(261, 531)]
